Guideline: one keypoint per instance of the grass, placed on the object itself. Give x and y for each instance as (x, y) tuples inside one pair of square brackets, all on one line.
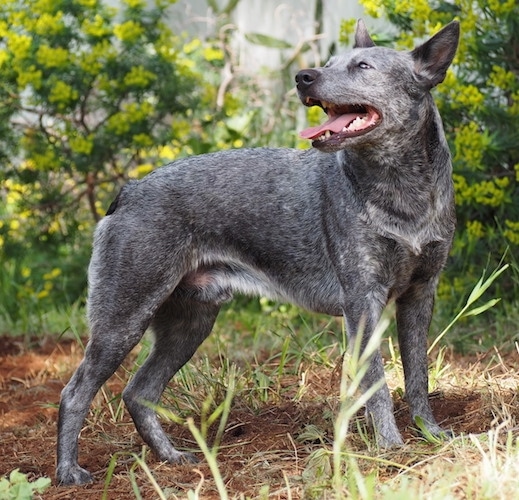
[(333, 463), (270, 400)]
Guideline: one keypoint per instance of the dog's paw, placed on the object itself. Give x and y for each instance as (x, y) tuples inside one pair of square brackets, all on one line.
[(73, 475), (187, 458), (388, 441), (178, 457), (432, 432)]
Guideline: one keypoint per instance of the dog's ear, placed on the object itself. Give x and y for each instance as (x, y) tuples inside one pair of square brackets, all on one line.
[(362, 38), (433, 58)]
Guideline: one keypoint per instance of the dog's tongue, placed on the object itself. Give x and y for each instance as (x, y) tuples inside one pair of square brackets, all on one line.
[(334, 124)]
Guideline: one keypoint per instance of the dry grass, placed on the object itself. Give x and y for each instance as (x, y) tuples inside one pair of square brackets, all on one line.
[(278, 439)]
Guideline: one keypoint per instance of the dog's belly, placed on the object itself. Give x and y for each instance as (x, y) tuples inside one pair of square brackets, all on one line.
[(217, 283)]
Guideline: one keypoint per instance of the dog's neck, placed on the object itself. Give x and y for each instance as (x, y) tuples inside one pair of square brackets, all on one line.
[(406, 206)]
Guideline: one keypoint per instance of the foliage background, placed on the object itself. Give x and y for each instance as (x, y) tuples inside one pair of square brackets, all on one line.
[(479, 104), (92, 96)]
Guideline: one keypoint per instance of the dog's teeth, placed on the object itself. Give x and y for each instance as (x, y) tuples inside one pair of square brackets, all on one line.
[(326, 104), (356, 124), (324, 136)]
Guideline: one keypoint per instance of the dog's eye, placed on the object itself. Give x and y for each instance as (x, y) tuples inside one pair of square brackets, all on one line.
[(364, 65)]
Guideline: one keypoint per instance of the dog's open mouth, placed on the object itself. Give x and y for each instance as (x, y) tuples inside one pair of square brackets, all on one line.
[(343, 121)]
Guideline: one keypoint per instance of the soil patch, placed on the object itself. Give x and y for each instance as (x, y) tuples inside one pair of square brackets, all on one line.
[(260, 447)]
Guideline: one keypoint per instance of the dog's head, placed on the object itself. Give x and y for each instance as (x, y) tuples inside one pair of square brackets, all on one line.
[(371, 90)]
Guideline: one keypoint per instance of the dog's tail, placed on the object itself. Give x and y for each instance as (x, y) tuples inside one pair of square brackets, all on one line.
[(113, 206)]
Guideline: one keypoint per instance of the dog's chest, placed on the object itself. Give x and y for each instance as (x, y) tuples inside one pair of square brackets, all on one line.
[(387, 262)]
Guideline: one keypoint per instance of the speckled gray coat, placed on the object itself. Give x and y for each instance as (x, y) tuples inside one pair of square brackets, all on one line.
[(363, 218)]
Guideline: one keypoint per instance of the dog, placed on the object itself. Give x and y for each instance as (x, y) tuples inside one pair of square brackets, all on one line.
[(363, 218)]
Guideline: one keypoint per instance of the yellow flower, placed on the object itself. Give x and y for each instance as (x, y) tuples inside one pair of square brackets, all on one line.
[(475, 229), (87, 3), (470, 144), (373, 8), (4, 56), (48, 24), (418, 9), (128, 31), (31, 76), (168, 152), (42, 6), (501, 78), (406, 41), (135, 3), (54, 227), (81, 145), (19, 45), (488, 193), (213, 54), (4, 29), (181, 128), (52, 57), (97, 27), (52, 274), (92, 61), (470, 97), (140, 171), (143, 140), (501, 7), (132, 112), (192, 46), (62, 94), (314, 115), (512, 231), (139, 77)]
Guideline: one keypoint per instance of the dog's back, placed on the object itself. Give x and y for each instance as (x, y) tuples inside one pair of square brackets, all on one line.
[(200, 223)]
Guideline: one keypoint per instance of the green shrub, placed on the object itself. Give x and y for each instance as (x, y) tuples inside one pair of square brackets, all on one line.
[(479, 104), (90, 97)]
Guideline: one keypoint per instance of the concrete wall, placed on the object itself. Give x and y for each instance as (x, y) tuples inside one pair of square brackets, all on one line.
[(290, 20)]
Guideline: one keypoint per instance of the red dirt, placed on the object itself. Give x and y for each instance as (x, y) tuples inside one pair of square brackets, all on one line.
[(258, 448)]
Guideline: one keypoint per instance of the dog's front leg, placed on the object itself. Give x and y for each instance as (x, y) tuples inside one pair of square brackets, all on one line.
[(413, 315), (379, 408)]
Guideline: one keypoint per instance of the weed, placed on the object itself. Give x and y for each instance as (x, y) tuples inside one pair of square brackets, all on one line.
[(18, 486)]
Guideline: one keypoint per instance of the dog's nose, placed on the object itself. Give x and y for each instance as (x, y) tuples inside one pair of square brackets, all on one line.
[(305, 78)]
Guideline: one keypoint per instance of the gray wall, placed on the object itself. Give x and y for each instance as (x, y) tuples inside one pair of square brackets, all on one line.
[(289, 20)]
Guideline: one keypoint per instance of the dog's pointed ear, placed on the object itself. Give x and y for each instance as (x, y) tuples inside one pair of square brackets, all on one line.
[(433, 58), (362, 38)]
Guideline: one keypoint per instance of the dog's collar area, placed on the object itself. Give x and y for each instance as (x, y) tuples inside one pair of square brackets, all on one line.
[(343, 122)]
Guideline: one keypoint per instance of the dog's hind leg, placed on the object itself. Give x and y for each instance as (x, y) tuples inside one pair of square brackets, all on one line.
[(106, 350), (180, 326), (122, 301)]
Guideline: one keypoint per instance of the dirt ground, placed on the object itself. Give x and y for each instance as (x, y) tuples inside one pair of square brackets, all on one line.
[(257, 448)]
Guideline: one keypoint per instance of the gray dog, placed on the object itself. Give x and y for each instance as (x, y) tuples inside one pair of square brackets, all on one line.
[(363, 218)]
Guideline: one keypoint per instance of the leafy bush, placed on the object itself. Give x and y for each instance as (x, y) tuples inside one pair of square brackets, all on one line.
[(479, 103), (91, 96)]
